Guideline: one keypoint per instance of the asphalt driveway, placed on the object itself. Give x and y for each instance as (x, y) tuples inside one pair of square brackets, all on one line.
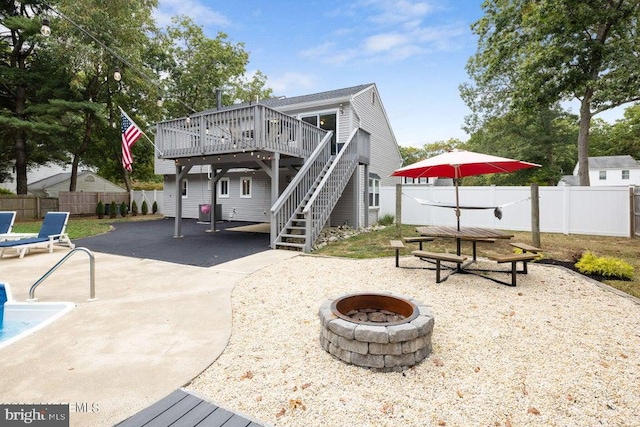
[(154, 240)]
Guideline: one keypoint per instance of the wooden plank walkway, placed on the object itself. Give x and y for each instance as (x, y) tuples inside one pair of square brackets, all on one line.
[(182, 409)]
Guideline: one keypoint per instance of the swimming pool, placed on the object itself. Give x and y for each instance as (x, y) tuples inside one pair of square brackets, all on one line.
[(19, 319)]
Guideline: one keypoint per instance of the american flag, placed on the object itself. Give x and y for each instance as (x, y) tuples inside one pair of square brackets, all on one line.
[(130, 134)]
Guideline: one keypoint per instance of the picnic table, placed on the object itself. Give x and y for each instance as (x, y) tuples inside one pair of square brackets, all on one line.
[(472, 234)]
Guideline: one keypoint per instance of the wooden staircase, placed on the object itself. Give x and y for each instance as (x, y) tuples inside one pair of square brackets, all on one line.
[(294, 235)]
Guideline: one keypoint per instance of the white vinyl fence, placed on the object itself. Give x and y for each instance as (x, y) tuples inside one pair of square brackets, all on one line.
[(604, 211), (149, 196)]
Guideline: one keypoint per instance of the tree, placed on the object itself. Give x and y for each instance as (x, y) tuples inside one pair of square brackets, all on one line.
[(195, 66), (621, 138), (20, 40), (546, 137), (116, 26), (532, 54), (411, 155)]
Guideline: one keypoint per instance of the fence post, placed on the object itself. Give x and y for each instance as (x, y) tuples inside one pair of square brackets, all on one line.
[(566, 209), (632, 212), (398, 210), (535, 215)]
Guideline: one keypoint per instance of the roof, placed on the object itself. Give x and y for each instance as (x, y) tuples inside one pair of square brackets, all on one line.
[(315, 97), (49, 181), (283, 101), (570, 180), (612, 162), (54, 179)]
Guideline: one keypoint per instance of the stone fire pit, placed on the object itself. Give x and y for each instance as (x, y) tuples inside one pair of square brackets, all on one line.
[(382, 332)]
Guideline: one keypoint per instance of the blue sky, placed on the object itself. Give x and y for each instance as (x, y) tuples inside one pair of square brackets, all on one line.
[(415, 51)]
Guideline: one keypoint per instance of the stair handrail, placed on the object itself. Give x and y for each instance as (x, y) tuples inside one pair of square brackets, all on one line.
[(313, 230), (330, 171), (300, 174), (92, 274)]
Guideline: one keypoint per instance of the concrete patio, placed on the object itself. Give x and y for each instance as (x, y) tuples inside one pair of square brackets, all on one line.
[(155, 326)]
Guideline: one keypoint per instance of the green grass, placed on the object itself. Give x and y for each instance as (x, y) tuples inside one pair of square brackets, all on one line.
[(82, 226), (375, 244)]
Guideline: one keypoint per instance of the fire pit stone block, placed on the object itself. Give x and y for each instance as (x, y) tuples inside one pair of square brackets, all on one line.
[(394, 345)]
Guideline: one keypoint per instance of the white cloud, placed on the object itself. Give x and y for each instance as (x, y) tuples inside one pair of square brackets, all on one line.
[(391, 30), (384, 42), (201, 14), (290, 82), (393, 12)]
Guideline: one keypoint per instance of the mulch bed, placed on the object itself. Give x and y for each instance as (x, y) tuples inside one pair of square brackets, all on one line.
[(571, 266)]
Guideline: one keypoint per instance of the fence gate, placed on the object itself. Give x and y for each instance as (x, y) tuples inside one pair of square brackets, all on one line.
[(636, 210)]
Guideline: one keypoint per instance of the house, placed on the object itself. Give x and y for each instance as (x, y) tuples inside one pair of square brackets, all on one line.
[(35, 173), (607, 171), (297, 163), (86, 181)]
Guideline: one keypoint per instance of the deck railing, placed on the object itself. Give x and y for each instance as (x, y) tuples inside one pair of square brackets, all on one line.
[(318, 209), (250, 128), (292, 197)]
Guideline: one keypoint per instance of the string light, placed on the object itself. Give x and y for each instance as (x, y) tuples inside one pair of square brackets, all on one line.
[(45, 29)]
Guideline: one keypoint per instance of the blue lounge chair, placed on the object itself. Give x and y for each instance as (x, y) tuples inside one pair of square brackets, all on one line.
[(53, 231), (6, 222)]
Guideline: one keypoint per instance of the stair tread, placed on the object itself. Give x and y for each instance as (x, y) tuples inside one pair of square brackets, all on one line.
[(292, 245)]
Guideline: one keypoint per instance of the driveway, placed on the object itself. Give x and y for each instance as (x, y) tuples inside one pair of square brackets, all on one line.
[(197, 247)]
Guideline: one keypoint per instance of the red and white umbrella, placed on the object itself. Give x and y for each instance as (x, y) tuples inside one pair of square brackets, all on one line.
[(458, 164)]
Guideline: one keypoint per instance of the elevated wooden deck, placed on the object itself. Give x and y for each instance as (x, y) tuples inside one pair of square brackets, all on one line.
[(182, 409)]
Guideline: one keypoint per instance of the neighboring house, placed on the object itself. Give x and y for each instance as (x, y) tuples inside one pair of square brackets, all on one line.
[(299, 163), (607, 171), (87, 181), (34, 174), (436, 182)]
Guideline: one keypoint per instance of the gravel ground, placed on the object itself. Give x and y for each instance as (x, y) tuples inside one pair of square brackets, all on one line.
[(557, 350)]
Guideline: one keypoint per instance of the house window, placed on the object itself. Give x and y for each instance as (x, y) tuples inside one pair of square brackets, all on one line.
[(374, 192), (185, 186), (245, 187), (625, 174), (326, 121), (223, 188), (603, 175)]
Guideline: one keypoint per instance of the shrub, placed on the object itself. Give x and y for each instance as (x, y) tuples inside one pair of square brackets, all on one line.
[(134, 208), (610, 267), (145, 208), (123, 209), (154, 208), (100, 209), (113, 209), (387, 219), (6, 191)]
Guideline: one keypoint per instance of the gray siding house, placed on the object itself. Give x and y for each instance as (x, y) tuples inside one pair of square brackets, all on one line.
[(298, 163)]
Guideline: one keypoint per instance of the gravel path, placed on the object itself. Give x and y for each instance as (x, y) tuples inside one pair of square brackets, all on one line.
[(557, 350)]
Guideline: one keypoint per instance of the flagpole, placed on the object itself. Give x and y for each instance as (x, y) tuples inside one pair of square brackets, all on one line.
[(145, 135)]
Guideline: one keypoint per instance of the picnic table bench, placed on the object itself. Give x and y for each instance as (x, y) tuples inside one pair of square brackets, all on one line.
[(397, 245), (419, 239), (438, 257), (525, 247), (514, 259)]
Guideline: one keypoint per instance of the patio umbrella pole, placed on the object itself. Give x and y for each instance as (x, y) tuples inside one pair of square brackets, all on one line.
[(458, 249)]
